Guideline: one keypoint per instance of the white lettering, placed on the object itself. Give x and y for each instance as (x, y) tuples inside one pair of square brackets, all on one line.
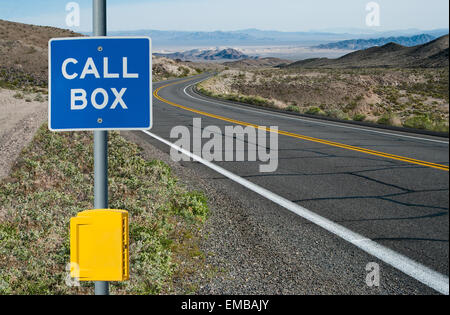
[(212, 150), (373, 277), (239, 132), (125, 70), (119, 99), (254, 305), (73, 17), (94, 96), (77, 95), (64, 69), (90, 68), (272, 156), (106, 73), (184, 142), (373, 17)]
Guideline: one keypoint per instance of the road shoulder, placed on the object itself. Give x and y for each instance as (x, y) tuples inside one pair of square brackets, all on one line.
[(20, 117)]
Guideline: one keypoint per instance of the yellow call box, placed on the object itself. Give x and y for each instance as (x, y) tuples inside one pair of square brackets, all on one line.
[(99, 245)]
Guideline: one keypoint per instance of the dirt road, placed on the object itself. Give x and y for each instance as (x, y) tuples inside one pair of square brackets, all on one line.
[(19, 120)]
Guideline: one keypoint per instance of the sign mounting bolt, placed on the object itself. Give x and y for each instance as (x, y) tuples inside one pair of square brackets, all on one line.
[(100, 120), (100, 48)]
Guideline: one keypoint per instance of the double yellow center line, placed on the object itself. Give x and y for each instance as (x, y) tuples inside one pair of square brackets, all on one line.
[(298, 136)]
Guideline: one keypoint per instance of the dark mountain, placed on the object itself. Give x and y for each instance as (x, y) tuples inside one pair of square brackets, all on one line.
[(433, 54), (207, 55), (358, 44)]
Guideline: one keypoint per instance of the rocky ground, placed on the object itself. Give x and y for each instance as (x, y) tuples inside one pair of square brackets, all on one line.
[(416, 98)]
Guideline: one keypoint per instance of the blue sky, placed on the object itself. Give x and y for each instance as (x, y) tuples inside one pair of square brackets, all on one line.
[(208, 15)]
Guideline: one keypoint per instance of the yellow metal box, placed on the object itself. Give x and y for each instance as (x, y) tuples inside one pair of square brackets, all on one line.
[(99, 245)]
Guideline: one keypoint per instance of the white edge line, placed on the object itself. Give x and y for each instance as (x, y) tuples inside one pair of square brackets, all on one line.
[(425, 275), (307, 120)]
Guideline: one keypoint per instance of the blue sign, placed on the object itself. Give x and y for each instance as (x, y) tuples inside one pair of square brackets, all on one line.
[(100, 83)]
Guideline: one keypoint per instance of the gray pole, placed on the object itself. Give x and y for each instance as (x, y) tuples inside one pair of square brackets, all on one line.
[(100, 142)]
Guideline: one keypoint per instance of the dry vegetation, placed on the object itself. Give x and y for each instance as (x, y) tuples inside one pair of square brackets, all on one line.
[(52, 181), (164, 69), (416, 98), (23, 53)]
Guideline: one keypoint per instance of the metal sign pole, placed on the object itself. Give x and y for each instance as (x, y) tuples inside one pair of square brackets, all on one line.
[(100, 142)]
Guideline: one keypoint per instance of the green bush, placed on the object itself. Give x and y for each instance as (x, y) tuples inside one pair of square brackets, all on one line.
[(386, 119), (314, 111), (419, 122), (425, 122), (338, 114), (52, 181), (191, 204), (293, 108), (39, 98), (19, 96), (359, 117)]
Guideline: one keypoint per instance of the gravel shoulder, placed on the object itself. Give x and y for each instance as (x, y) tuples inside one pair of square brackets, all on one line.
[(19, 121)]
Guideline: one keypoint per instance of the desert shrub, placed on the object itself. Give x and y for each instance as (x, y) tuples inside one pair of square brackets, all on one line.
[(314, 111), (418, 122), (204, 91), (18, 95), (293, 108), (39, 98), (351, 106), (190, 205), (184, 71), (386, 119), (425, 122), (359, 117), (441, 126), (254, 100), (338, 114)]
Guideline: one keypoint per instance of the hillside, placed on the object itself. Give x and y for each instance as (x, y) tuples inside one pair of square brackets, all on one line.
[(24, 56), (207, 55), (358, 44), (433, 54), (23, 52)]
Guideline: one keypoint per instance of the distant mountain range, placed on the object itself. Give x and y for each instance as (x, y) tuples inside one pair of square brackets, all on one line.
[(253, 37), (207, 55), (434, 54), (358, 44), (255, 63)]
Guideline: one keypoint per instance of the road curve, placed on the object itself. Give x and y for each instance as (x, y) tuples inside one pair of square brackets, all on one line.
[(389, 187)]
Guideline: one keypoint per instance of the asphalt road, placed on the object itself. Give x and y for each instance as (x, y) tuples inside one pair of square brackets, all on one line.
[(390, 187)]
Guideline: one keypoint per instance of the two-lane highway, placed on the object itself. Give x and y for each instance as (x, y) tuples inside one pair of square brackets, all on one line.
[(389, 187)]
